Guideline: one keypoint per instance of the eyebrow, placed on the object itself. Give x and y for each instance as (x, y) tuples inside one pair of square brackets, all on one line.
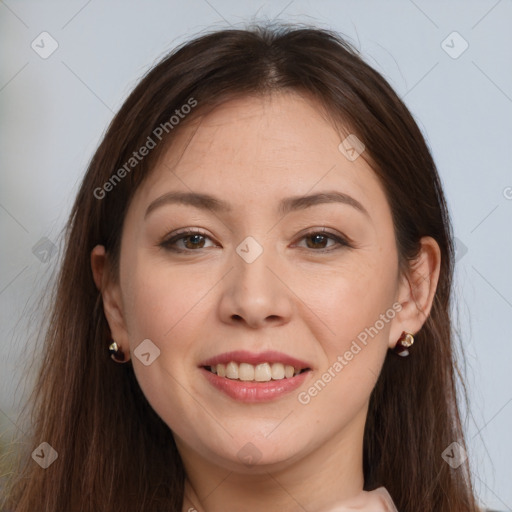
[(286, 205)]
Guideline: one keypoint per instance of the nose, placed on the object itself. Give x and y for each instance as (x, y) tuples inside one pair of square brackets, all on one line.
[(256, 293)]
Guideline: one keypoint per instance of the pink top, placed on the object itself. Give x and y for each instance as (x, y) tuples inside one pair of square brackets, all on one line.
[(378, 500)]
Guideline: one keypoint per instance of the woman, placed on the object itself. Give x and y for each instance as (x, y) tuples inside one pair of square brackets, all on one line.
[(260, 239)]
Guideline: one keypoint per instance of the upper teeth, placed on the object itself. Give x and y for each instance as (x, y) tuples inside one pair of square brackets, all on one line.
[(260, 373)]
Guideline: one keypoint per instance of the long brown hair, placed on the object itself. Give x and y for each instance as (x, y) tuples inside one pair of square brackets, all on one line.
[(114, 452)]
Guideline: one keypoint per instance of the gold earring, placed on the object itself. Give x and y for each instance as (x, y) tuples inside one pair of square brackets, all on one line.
[(404, 342), (116, 353)]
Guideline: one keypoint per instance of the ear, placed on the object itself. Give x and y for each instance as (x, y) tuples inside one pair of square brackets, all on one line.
[(417, 290), (111, 295)]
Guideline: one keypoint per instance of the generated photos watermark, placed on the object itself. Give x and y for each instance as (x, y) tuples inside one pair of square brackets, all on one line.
[(304, 397), (151, 142)]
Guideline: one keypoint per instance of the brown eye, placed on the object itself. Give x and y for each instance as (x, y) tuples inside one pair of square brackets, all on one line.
[(195, 241), (192, 240), (318, 240)]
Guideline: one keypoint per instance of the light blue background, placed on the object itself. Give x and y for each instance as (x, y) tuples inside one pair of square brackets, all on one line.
[(54, 111)]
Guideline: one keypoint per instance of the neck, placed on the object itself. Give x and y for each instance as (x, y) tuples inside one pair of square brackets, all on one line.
[(313, 480)]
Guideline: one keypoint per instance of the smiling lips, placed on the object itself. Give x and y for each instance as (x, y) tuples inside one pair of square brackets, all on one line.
[(263, 372), (253, 377), (248, 366)]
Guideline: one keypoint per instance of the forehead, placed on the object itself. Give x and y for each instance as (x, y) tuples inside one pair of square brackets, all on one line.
[(253, 149), (272, 129)]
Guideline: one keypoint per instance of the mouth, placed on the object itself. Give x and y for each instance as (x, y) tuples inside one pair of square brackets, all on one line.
[(263, 372), (252, 367), (250, 377)]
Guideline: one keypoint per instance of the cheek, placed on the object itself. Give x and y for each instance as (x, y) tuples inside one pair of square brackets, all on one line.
[(161, 299), (163, 307), (351, 298), (355, 316)]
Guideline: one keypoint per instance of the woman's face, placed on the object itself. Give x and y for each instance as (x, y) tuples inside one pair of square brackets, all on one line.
[(261, 281)]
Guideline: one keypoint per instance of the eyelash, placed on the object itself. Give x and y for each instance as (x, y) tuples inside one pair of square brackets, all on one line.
[(168, 243)]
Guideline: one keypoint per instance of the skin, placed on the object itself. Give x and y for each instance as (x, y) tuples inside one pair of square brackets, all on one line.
[(293, 298)]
